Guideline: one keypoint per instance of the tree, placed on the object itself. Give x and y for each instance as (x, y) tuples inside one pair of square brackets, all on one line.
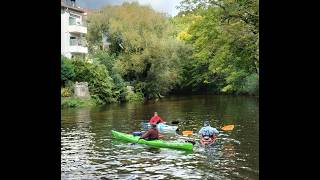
[(225, 40), (147, 55), (108, 60)]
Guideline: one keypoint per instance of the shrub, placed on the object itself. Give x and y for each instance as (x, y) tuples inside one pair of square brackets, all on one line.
[(76, 102), (67, 70), (66, 92), (99, 81), (135, 97), (70, 103), (108, 60)]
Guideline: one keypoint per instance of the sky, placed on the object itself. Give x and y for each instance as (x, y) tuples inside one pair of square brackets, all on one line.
[(166, 6)]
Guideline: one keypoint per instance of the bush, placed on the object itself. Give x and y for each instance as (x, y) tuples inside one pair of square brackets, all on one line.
[(67, 70), (76, 102), (97, 100), (251, 85), (108, 60), (70, 103), (66, 92), (135, 97), (99, 81)]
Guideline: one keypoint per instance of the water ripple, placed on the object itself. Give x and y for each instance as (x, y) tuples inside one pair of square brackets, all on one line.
[(89, 152)]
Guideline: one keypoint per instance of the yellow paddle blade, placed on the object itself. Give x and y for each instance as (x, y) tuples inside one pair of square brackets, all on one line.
[(186, 133), (228, 127)]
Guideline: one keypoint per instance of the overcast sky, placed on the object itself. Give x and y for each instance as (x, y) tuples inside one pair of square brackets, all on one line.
[(166, 6)]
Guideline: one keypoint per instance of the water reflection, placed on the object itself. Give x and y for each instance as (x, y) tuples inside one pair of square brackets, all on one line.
[(89, 152), (76, 146), (229, 151)]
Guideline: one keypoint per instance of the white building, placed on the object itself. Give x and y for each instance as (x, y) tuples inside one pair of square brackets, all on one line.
[(73, 29)]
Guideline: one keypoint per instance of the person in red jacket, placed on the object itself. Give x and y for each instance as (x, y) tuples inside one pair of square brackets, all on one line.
[(156, 119)]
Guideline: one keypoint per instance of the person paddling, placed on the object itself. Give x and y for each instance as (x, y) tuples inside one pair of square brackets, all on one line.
[(207, 131), (156, 119), (151, 134)]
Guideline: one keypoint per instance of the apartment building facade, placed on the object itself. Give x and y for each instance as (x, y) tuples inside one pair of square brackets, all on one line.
[(73, 29)]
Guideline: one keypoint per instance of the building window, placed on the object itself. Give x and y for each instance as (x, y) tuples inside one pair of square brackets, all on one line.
[(74, 19), (73, 41)]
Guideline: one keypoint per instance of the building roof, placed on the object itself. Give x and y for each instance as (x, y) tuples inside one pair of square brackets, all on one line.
[(68, 5)]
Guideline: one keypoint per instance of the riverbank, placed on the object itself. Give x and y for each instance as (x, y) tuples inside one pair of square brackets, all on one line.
[(73, 102)]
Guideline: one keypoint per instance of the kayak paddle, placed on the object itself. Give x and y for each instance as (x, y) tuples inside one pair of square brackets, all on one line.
[(136, 142), (228, 127), (186, 133), (224, 128), (175, 122), (160, 136)]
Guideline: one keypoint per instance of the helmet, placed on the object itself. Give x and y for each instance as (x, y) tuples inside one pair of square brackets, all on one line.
[(206, 123)]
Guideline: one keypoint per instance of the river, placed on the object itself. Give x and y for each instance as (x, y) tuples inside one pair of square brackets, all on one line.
[(89, 152)]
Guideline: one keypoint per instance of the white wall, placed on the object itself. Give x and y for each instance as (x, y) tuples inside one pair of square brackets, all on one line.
[(66, 29), (80, 29), (78, 49), (65, 34)]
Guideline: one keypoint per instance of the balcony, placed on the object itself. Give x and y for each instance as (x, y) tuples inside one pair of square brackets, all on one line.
[(77, 27), (78, 46), (71, 5)]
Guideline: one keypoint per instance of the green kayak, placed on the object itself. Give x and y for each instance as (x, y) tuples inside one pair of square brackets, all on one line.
[(154, 143)]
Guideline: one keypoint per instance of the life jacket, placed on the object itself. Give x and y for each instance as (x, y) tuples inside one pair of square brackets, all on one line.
[(153, 133)]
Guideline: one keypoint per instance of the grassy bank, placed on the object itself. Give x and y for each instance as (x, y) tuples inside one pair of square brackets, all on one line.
[(72, 102)]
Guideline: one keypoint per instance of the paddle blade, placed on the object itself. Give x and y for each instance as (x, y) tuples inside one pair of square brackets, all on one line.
[(175, 122), (186, 133), (228, 128)]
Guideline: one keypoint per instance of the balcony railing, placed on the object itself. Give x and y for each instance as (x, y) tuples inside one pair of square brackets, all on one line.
[(73, 22), (70, 3), (78, 42)]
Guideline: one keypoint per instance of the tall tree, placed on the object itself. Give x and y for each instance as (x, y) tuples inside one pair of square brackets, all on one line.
[(148, 55), (225, 39)]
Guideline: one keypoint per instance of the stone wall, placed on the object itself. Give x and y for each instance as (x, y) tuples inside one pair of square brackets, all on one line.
[(130, 89), (81, 90)]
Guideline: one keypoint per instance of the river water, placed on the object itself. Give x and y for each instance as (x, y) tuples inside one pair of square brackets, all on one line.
[(89, 152)]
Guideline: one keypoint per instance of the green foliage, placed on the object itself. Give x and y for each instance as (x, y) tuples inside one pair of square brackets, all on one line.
[(210, 45), (135, 97), (97, 100), (97, 76), (66, 92), (67, 70), (108, 60), (76, 102), (70, 103), (225, 39), (147, 55), (251, 85)]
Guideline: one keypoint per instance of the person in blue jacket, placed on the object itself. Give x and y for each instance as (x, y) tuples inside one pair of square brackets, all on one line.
[(208, 131)]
